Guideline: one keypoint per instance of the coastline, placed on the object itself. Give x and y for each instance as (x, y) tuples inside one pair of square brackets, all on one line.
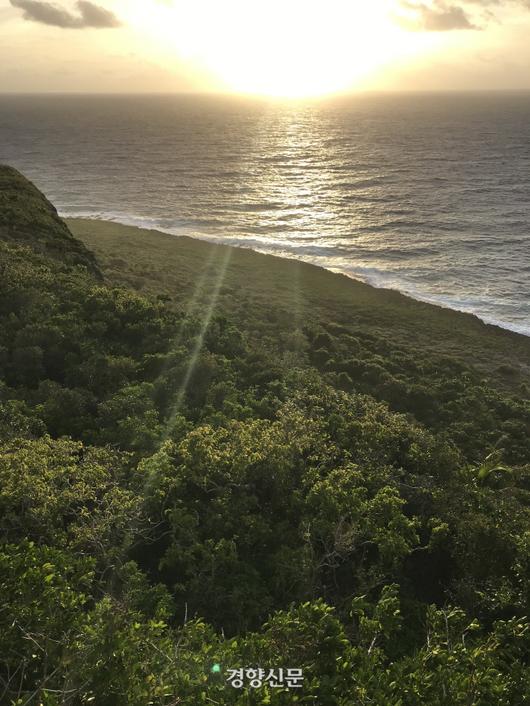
[(353, 274), (157, 262)]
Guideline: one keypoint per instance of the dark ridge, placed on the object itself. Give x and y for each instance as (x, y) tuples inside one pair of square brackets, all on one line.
[(28, 218)]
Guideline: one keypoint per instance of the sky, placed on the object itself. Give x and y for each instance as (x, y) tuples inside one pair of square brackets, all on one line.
[(291, 48)]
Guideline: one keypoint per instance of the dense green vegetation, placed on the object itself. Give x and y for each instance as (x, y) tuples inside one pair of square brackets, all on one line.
[(209, 456)]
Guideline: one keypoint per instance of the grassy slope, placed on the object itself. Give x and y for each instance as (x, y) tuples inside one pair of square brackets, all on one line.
[(283, 293), (28, 218)]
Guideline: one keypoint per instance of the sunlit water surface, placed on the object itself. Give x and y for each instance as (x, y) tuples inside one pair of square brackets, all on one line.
[(428, 195)]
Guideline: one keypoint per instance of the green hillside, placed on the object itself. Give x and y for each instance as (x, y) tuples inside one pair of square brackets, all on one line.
[(28, 218), (467, 380), (213, 457), (266, 290)]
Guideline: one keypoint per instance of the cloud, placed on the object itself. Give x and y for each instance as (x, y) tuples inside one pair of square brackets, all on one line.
[(489, 3), (442, 16), (436, 17), (89, 14), (96, 16)]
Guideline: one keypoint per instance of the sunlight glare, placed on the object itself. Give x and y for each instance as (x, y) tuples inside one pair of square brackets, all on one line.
[(299, 48)]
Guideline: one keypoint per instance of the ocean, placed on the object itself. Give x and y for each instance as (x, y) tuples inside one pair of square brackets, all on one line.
[(425, 194)]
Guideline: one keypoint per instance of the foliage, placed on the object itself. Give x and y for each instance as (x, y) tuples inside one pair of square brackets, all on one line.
[(184, 484)]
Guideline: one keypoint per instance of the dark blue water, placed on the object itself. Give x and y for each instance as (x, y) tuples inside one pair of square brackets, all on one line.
[(429, 195)]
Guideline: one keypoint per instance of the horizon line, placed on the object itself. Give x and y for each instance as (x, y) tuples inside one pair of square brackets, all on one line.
[(229, 94)]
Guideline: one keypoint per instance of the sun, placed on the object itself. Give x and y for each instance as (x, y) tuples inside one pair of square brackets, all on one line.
[(282, 48), (303, 48)]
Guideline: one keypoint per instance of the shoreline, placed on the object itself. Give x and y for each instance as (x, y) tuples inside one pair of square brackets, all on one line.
[(285, 255), (288, 294)]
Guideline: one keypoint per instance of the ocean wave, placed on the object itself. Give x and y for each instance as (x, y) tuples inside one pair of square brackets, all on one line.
[(411, 193)]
